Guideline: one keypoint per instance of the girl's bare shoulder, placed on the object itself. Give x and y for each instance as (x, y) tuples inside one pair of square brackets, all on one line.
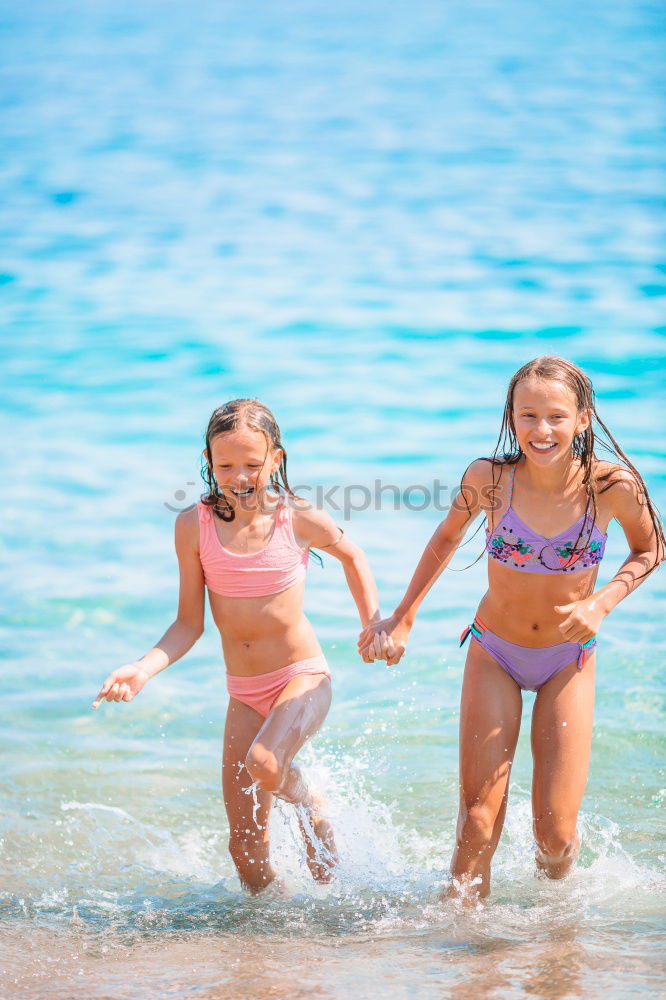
[(616, 487), (485, 470), (313, 526), (187, 526), (488, 478), (607, 475)]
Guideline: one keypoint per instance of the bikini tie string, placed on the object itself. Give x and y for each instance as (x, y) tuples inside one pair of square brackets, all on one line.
[(584, 646)]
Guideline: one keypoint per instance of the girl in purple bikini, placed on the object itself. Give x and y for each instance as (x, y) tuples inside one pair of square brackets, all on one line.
[(548, 500)]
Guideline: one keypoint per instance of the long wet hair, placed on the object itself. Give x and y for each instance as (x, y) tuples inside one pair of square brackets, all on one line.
[(255, 416), (596, 435)]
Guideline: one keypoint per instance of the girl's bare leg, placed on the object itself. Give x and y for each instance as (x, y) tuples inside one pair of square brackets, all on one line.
[(561, 743), (490, 711), (248, 818), (295, 718)]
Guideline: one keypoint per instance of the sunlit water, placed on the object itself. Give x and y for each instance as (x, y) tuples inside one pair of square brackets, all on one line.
[(367, 215)]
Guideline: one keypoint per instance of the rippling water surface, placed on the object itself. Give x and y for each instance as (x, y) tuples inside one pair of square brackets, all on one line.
[(367, 215)]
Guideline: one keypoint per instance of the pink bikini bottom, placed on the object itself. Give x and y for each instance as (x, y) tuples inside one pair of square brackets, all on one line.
[(262, 691)]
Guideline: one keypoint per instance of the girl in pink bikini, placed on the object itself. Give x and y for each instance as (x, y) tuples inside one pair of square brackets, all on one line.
[(247, 541), (548, 501)]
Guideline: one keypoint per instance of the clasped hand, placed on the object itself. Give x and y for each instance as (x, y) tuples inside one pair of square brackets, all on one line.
[(383, 640)]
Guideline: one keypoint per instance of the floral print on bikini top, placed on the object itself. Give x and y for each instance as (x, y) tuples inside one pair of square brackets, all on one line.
[(519, 547)]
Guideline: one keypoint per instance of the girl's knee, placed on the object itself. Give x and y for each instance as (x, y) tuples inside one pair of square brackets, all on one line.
[(264, 767), (556, 840), (476, 824)]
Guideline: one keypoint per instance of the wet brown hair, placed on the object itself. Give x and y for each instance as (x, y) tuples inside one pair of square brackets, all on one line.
[(508, 452), (255, 416)]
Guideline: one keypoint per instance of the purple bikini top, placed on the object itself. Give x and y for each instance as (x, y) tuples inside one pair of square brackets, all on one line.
[(518, 547)]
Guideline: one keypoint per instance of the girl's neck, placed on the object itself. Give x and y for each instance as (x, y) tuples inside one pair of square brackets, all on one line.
[(557, 478)]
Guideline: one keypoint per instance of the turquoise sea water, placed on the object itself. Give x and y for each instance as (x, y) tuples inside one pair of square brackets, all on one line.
[(368, 215)]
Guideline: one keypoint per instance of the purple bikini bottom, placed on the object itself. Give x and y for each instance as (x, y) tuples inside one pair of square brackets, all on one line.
[(530, 668)]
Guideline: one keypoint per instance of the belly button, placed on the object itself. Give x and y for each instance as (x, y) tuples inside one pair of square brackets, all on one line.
[(247, 645), (535, 628)]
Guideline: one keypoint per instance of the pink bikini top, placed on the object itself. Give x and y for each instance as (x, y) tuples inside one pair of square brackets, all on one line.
[(276, 567), (516, 545)]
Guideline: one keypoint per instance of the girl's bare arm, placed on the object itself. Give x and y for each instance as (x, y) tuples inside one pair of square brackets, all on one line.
[(317, 529), (126, 682), (471, 499), (189, 624), (582, 619)]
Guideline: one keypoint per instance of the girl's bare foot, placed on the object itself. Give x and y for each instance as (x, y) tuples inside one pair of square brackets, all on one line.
[(465, 890), (321, 852)]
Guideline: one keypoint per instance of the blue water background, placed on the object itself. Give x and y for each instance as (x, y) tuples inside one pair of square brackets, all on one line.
[(368, 215)]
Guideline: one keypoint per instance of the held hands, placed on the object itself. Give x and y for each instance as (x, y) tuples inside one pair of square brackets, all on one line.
[(582, 619), (122, 685), (384, 640)]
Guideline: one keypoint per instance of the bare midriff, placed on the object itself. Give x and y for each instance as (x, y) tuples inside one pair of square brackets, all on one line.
[(519, 607), (260, 634)]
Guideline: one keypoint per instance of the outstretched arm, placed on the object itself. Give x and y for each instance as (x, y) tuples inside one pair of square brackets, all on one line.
[(437, 554), (126, 682), (316, 528), (582, 619)]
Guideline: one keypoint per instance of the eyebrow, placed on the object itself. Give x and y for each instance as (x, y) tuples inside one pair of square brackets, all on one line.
[(534, 406)]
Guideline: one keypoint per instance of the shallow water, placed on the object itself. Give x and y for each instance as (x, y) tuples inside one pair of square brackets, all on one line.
[(369, 217)]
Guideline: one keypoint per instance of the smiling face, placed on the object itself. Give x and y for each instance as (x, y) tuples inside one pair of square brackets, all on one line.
[(242, 463), (546, 419)]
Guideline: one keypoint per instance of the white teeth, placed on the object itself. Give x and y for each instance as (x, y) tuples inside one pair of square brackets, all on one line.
[(241, 493), (542, 447)]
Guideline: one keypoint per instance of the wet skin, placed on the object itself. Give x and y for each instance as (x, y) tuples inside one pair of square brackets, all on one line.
[(259, 635), (530, 610)]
